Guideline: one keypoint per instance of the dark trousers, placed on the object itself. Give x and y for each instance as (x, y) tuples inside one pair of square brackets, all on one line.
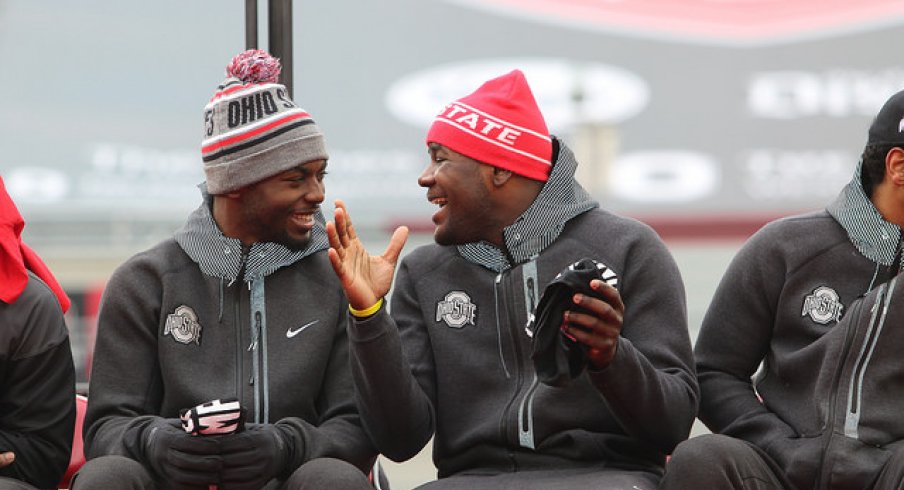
[(565, 479), (720, 462), (121, 473)]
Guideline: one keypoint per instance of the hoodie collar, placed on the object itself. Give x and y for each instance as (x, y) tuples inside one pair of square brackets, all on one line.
[(868, 231), (561, 199), (220, 256)]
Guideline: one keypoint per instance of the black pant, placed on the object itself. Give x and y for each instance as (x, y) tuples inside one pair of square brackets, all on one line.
[(720, 462), (121, 473)]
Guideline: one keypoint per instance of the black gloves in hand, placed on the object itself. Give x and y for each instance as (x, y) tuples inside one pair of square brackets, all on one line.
[(253, 457), (179, 458), (559, 358)]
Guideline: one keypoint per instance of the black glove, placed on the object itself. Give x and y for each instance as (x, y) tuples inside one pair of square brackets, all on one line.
[(254, 456), (559, 358), (178, 458)]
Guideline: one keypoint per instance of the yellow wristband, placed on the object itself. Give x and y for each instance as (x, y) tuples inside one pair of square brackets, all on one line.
[(367, 311)]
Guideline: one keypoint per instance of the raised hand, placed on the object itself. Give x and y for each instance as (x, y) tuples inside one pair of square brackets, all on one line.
[(599, 329), (365, 278)]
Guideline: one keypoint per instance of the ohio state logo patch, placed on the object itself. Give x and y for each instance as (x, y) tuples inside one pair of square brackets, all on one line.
[(183, 326), (823, 305), (456, 310)]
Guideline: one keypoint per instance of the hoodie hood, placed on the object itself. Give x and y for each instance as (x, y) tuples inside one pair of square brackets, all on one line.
[(868, 231), (561, 199), (16, 258), (220, 256)]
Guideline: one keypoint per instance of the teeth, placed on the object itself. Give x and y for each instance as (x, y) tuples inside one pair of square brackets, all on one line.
[(439, 201)]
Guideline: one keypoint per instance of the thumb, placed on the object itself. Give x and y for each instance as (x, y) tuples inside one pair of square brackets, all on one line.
[(396, 243)]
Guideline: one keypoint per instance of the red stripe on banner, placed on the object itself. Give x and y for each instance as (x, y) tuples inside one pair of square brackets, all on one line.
[(253, 132)]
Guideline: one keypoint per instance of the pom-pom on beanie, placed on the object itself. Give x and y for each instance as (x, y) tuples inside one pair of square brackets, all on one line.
[(499, 124), (252, 128)]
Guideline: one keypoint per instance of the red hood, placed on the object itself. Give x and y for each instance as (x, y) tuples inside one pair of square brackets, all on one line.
[(16, 258)]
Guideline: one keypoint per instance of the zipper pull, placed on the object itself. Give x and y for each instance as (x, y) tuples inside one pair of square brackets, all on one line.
[(255, 331)]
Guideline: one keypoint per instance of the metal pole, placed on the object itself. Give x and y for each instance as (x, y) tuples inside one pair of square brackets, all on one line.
[(250, 24), (280, 42)]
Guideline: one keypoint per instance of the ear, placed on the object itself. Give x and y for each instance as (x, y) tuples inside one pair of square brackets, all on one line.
[(894, 166), (501, 176)]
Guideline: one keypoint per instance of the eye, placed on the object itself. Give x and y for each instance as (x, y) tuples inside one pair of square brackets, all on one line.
[(321, 175)]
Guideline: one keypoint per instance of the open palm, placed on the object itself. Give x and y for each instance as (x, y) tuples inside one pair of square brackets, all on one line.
[(366, 278)]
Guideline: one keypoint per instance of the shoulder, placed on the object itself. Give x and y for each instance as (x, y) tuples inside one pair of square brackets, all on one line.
[(164, 256), (802, 233), (34, 323), (429, 256), (620, 238), (602, 222)]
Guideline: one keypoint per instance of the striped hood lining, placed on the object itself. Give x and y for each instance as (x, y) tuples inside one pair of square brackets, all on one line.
[(220, 256), (868, 231), (561, 199)]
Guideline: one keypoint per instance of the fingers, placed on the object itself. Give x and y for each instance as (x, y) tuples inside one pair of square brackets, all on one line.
[(344, 223), (609, 293), (7, 458), (598, 322), (336, 262)]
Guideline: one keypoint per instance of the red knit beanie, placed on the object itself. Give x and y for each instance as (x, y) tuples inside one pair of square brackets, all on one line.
[(500, 125)]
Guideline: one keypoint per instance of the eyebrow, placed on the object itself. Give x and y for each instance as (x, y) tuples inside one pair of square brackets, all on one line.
[(307, 170)]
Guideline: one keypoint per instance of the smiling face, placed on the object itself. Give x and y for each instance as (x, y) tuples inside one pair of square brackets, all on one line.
[(281, 208), (460, 186)]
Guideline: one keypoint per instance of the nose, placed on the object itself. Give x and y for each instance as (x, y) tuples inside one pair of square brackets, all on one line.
[(316, 193), (427, 177)]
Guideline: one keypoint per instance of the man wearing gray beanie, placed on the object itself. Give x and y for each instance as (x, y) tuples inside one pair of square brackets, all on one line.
[(221, 358)]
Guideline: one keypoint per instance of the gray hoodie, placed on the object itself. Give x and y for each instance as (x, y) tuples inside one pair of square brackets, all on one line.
[(453, 359), (779, 303), (194, 319)]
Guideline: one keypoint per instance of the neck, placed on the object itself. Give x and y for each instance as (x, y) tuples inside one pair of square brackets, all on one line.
[(889, 201), (224, 212)]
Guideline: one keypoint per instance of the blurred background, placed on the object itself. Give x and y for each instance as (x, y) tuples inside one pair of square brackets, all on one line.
[(703, 118)]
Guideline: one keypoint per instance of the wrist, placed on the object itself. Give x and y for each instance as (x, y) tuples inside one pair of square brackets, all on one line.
[(366, 312)]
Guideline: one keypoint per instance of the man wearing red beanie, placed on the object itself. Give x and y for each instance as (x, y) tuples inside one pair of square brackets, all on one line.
[(453, 360), (37, 386)]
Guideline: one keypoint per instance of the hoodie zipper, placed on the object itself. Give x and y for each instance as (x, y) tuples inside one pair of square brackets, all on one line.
[(258, 349), (836, 382), (502, 317), (852, 418), (526, 408), (523, 399), (830, 420), (883, 297)]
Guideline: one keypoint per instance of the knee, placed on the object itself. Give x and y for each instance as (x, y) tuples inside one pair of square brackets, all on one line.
[(112, 472), (327, 473), (701, 453)]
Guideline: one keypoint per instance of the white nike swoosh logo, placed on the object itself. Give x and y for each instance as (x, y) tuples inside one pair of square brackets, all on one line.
[(291, 333)]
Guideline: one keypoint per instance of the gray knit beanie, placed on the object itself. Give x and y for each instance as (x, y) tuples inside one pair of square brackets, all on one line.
[(252, 129)]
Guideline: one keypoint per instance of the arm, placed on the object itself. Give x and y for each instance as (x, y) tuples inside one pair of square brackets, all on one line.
[(123, 415), (37, 404), (743, 310), (394, 409), (126, 387), (395, 383), (640, 351)]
